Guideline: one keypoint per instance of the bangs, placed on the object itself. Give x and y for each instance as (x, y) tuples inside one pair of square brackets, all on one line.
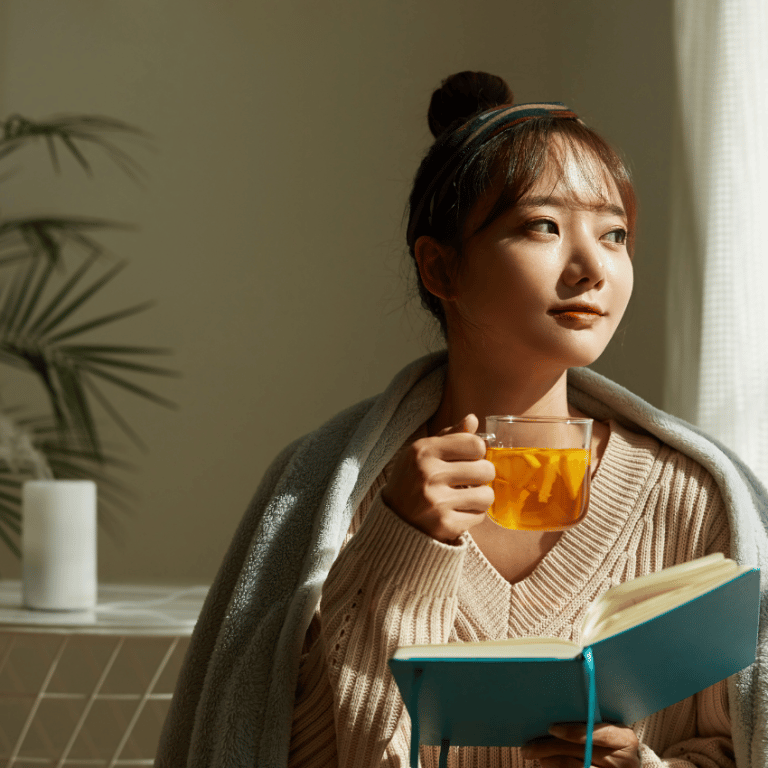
[(581, 159)]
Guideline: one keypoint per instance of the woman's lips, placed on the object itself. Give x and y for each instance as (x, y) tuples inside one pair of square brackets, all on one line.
[(576, 315), (577, 309)]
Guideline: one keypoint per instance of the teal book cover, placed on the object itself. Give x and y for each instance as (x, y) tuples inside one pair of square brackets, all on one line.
[(500, 700)]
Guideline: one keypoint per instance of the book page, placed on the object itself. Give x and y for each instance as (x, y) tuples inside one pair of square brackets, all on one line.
[(645, 587), (515, 648), (637, 601)]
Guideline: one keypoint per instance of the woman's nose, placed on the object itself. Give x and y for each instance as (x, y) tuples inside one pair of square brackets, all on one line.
[(586, 263)]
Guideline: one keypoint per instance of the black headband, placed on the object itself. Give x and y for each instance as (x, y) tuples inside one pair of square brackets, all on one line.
[(463, 143)]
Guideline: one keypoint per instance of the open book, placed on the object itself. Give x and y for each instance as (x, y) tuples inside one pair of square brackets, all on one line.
[(650, 642), (620, 608)]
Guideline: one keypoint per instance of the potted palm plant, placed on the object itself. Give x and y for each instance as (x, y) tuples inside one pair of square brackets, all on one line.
[(50, 268)]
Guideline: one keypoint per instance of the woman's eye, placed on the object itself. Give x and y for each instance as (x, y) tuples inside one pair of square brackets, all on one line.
[(545, 226), (616, 236)]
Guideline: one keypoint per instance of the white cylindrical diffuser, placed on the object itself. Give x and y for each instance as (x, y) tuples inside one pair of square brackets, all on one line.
[(58, 544)]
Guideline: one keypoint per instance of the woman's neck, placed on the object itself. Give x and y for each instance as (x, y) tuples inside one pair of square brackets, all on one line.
[(472, 387)]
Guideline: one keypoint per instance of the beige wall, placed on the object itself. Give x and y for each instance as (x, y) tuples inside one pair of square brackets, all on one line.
[(285, 136)]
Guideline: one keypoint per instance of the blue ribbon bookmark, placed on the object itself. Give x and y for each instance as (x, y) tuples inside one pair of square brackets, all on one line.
[(589, 670), (414, 709), (443, 762)]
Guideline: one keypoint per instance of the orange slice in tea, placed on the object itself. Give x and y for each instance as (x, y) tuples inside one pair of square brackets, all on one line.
[(573, 466), (515, 466), (547, 475)]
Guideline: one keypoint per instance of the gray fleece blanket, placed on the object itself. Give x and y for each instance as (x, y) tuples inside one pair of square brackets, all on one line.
[(234, 697)]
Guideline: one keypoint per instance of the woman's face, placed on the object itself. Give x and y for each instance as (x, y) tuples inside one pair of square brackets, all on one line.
[(547, 282)]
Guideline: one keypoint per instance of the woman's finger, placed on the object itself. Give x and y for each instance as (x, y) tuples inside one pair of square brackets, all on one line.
[(604, 735), (459, 446), (473, 499), (553, 748), (462, 473), (469, 423)]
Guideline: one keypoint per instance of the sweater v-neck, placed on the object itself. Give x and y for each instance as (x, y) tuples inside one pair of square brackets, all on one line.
[(576, 569)]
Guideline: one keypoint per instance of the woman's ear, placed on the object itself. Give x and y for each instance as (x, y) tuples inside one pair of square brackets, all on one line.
[(435, 262)]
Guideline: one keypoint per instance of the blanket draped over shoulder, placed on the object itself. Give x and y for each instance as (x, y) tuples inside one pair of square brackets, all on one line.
[(234, 698)]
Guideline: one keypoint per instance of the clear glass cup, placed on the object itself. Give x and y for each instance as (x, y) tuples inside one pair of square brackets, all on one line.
[(542, 471)]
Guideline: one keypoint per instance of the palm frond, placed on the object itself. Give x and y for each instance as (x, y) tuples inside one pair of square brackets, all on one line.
[(52, 152), (72, 130), (57, 451), (113, 349), (32, 332), (68, 383), (49, 235), (11, 295), (35, 294), (103, 320), (111, 362), (78, 407), (7, 539), (114, 414), (33, 359), (12, 312), (12, 255), (16, 515), (61, 295), (76, 153), (130, 386), (77, 301)]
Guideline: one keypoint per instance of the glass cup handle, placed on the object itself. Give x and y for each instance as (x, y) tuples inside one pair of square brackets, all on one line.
[(489, 437)]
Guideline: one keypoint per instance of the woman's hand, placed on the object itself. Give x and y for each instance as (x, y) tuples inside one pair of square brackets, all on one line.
[(613, 746), (438, 484)]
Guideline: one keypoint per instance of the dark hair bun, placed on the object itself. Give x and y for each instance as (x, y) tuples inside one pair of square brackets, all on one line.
[(465, 94)]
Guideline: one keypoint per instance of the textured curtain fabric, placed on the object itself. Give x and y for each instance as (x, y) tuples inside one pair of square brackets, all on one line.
[(717, 341)]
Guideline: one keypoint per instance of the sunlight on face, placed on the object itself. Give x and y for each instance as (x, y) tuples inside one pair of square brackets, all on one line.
[(576, 173), (562, 247)]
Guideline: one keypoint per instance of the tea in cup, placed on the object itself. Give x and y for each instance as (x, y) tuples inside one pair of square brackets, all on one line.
[(542, 471)]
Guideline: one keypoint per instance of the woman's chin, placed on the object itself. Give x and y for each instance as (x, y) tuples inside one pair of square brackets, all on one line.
[(585, 359), (562, 360), (580, 351), (558, 351)]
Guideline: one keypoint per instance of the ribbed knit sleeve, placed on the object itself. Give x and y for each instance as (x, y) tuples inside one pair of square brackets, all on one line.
[(391, 585)]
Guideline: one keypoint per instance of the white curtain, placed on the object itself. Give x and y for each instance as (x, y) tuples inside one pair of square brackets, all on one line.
[(717, 340)]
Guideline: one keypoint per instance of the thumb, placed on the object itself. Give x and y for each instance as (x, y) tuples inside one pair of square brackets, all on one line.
[(469, 423)]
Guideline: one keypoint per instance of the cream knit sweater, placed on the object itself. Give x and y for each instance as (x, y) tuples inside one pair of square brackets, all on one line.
[(650, 507)]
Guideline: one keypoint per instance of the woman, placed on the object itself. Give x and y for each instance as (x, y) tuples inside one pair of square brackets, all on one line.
[(521, 227)]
